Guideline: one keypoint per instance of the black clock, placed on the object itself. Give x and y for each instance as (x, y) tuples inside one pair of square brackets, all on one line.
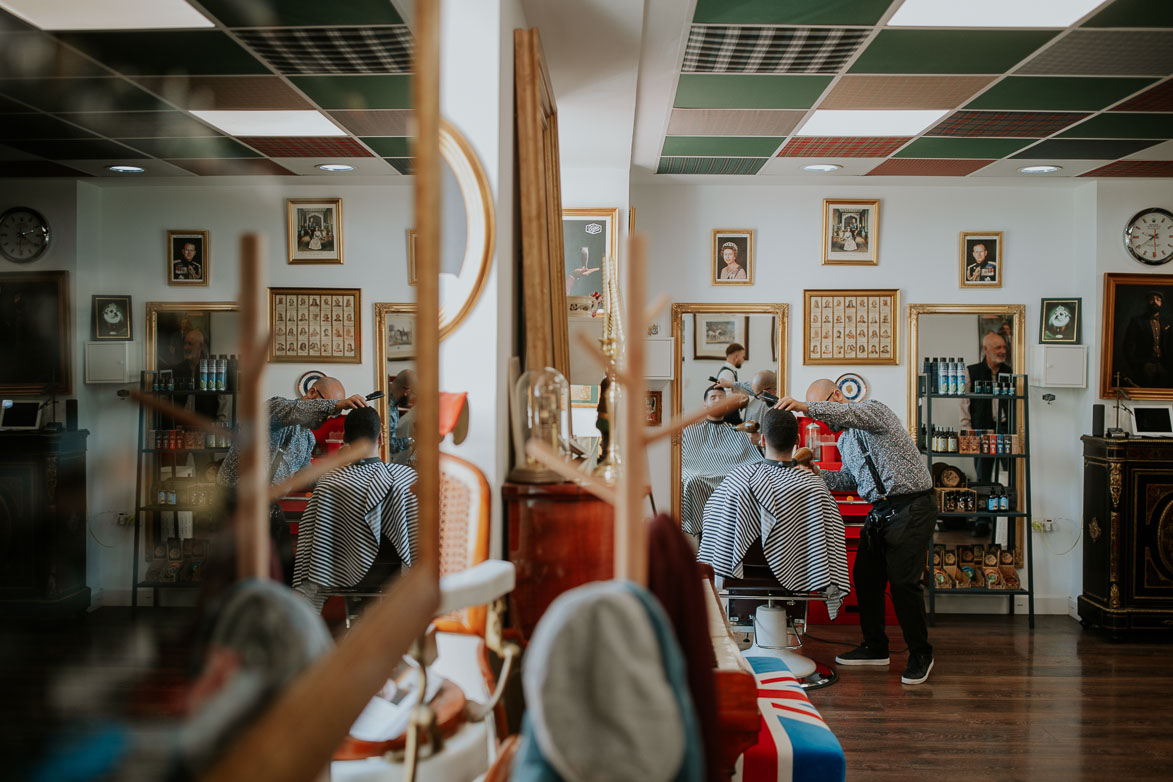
[(1148, 236), (24, 234)]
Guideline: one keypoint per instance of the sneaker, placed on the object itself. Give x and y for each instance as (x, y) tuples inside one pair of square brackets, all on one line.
[(862, 655), (918, 669)]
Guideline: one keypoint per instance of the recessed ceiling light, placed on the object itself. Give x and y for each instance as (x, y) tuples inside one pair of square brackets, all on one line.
[(334, 167), (271, 123), (859, 122), (991, 13), (126, 169), (107, 14), (823, 168), (1039, 169)]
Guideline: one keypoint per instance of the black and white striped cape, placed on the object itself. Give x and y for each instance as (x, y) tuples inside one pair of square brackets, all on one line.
[(351, 509), (797, 520), (708, 452)]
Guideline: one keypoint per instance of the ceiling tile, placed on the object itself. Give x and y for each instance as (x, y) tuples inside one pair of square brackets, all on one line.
[(710, 165), (903, 92), (387, 122), (292, 146), (232, 167), (25, 55), (733, 122), (154, 168), (301, 13), (792, 166), (1135, 168), (1162, 151), (949, 147), (333, 49), (836, 146), (31, 126), (948, 51), (8, 153), (742, 49), (404, 165), (1158, 98), (1056, 93), (914, 167), (28, 169), (167, 52), (1023, 124), (76, 149), (141, 124), (1107, 53), (1123, 126), (9, 106), (357, 92), (1009, 168), (712, 146), (1083, 149), (226, 93), (390, 147), (12, 23), (214, 147), (65, 95), (363, 166), (737, 91), (1134, 13), (791, 12)]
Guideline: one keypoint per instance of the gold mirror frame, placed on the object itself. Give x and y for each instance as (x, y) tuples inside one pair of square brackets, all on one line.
[(481, 226), (779, 311), (155, 307), (382, 310), (1018, 365)]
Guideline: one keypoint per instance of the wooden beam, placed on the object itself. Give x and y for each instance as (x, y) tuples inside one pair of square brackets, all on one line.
[(252, 489), (552, 459), (631, 542)]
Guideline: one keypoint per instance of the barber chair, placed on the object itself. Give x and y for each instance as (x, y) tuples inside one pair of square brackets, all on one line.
[(386, 565), (775, 616)]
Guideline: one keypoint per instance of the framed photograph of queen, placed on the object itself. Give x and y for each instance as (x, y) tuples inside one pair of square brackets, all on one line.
[(851, 233), (732, 256)]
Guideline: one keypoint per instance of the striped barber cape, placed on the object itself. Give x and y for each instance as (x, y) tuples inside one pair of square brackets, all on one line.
[(351, 510), (796, 518), (709, 451)]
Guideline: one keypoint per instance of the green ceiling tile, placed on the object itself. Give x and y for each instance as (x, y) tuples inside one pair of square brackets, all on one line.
[(215, 147), (357, 92), (30, 126), (1123, 126), (1056, 93), (834, 12), (404, 165), (301, 13), (1084, 149), (37, 55), (701, 146), (167, 52), (63, 95), (748, 91), (389, 146), (949, 51), (79, 149), (710, 165), (1134, 13), (963, 147)]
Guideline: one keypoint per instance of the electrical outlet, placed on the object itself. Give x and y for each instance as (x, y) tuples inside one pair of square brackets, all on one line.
[(1048, 525)]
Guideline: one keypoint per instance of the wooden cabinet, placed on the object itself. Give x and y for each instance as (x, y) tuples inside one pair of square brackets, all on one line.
[(43, 523), (1127, 535)]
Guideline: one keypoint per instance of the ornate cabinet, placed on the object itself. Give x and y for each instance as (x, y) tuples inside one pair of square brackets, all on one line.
[(43, 523), (1128, 535)]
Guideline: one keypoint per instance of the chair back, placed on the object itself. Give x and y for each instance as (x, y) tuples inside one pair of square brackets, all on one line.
[(464, 533)]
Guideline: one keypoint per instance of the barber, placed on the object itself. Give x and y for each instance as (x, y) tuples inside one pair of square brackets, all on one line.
[(881, 463)]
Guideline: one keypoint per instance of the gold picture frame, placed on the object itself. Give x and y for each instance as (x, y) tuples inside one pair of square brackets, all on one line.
[(981, 263), (738, 269), (1127, 339), (315, 315), (851, 232), (314, 230), (182, 270), (412, 277), (832, 329), (386, 315)]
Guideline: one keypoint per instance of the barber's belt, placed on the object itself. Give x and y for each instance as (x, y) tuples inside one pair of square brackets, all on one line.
[(898, 500)]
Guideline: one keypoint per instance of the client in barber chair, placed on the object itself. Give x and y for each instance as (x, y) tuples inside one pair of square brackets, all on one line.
[(360, 524)]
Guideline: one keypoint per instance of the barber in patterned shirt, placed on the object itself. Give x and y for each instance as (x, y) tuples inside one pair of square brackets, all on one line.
[(898, 531)]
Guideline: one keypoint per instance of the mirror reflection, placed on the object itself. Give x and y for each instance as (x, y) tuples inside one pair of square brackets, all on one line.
[(395, 357)]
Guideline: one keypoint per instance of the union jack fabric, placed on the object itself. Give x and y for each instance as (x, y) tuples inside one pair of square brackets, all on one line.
[(767, 49), (1021, 124), (333, 49), (794, 743)]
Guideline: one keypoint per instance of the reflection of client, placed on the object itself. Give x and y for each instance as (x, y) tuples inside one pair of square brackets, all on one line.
[(402, 445), (709, 451), (187, 376)]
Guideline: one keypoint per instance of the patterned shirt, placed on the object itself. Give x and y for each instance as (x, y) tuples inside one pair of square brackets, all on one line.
[(873, 428), (291, 425)]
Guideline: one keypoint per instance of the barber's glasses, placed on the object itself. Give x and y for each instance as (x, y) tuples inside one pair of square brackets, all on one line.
[(828, 399)]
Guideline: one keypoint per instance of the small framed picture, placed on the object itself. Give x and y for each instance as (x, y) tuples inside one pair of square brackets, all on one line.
[(315, 230), (981, 259), (584, 395), (1059, 322), (851, 232), (715, 331), (187, 258), (732, 256), (399, 336), (112, 319), (654, 408), (412, 279)]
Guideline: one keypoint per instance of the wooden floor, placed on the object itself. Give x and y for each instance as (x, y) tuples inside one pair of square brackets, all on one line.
[(1003, 703)]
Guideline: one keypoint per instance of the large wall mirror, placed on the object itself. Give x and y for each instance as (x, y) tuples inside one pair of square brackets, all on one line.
[(395, 351), (180, 333), (995, 334), (701, 332)]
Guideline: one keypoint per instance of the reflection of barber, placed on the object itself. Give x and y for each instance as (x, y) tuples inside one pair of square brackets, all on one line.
[(727, 376), (875, 445), (979, 413), (1148, 342)]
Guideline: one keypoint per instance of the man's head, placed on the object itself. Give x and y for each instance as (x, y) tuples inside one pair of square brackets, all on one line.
[(979, 253), (780, 433), (403, 388), (362, 423), (735, 354), (764, 381), (824, 391), (714, 395), (994, 349), (1154, 300), (729, 252), (193, 345), (326, 388), (189, 251)]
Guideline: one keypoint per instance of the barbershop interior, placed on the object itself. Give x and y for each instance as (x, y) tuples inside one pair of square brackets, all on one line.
[(756, 389)]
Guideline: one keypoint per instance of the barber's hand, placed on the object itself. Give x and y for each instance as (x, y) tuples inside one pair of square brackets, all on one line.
[(724, 382), (791, 404), (351, 402), (812, 468)]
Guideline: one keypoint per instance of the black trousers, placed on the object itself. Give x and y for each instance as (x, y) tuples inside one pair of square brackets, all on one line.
[(897, 562)]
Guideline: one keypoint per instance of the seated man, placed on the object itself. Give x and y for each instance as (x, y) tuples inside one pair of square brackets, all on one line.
[(709, 450), (788, 509), (353, 510)]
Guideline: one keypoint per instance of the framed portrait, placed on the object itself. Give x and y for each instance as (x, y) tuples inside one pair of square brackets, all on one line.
[(315, 230), (35, 333), (1138, 335), (584, 395), (1060, 322), (111, 319), (584, 306), (654, 408), (412, 277), (715, 331), (399, 336), (732, 256), (850, 232), (850, 326), (315, 324), (187, 258), (588, 236), (981, 259)]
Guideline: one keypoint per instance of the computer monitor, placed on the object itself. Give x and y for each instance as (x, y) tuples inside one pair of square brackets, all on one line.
[(20, 415), (1152, 420)]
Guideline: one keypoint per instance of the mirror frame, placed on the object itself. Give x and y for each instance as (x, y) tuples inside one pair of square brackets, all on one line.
[(679, 309), (382, 310), (1018, 365), (155, 307), (481, 228)]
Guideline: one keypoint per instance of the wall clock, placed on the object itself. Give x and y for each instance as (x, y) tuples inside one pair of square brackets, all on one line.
[(24, 235), (1148, 236)]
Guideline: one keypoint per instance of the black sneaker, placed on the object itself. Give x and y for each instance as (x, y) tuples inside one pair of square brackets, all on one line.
[(862, 655), (918, 669)]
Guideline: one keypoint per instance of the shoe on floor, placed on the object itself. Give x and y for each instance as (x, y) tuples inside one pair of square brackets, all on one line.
[(918, 669), (862, 655)]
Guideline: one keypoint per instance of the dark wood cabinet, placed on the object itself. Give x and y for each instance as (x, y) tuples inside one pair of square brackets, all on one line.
[(43, 523), (1127, 535)]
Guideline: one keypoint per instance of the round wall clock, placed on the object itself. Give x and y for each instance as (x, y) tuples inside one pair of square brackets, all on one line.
[(1148, 236), (24, 235)]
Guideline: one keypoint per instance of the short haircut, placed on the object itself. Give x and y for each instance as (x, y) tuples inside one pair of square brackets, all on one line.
[(733, 348), (713, 387), (780, 428), (362, 422)]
